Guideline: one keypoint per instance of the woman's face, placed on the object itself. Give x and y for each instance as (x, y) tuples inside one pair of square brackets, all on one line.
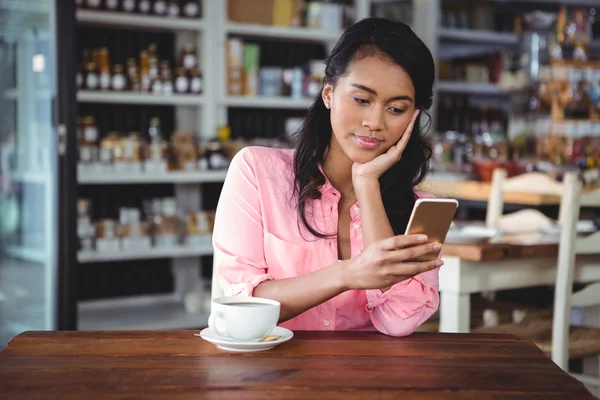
[(370, 106)]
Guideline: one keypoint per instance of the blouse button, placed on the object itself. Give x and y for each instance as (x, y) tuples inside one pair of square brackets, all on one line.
[(357, 226), (356, 209), (327, 322)]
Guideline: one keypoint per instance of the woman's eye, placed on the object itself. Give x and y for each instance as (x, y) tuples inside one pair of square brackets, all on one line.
[(396, 111), (361, 101)]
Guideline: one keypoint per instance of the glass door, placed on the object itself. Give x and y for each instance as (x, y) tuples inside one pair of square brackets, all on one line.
[(35, 272)]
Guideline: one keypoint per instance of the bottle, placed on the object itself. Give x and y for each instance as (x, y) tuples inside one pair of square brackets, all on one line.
[(196, 86), (132, 69), (160, 7), (79, 77), (144, 6), (157, 143), (91, 76), (112, 5), (182, 84), (153, 62), (191, 9), (157, 86), (167, 86), (188, 57), (88, 147), (118, 82), (145, 83), (174, 9), (129, 5), (104, 69)]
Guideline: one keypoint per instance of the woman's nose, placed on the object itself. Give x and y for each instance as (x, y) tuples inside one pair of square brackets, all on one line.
[(373, 119)]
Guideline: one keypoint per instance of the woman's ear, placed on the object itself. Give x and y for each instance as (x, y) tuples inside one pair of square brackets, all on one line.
[(327, 94)]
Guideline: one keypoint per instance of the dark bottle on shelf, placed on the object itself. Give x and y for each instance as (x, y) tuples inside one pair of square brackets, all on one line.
[(112, 5), (145, 82), (160, 7)]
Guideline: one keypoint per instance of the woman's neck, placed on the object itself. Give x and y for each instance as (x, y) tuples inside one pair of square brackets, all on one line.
[(338, 169)]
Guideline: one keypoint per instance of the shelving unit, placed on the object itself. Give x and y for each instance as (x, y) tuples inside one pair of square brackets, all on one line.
[(193, 113), (203, 114)]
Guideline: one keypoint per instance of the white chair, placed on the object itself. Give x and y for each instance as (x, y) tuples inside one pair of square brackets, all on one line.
[(553, 333)]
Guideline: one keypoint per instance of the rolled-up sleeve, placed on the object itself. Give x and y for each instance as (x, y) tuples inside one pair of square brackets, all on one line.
[(406, 305), (239, 259)]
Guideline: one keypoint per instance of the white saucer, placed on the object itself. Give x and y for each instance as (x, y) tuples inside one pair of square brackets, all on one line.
[(232, 345)]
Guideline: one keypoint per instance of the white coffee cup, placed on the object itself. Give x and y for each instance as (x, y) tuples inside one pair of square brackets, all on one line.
[(243, 318)]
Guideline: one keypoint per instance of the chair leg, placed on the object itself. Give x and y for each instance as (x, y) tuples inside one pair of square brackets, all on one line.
[(455, 310)]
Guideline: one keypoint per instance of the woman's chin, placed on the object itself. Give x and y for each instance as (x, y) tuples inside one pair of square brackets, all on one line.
[(362, 157)]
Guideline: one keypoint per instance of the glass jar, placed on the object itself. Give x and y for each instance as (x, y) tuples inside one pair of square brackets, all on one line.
[(144, 6), (118, 82), (129, 5), (191, 8), (174, 9), (92, 80), (196, 85), (182, 83), (188, 57)]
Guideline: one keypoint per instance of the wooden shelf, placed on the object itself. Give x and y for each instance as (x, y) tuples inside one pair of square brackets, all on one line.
[(266, 102), (112, 97), (115, 178), (138, 22), (138, 313), (282, 32)]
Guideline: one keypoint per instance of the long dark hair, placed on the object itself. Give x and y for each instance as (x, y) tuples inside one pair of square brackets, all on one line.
[(396, 41)]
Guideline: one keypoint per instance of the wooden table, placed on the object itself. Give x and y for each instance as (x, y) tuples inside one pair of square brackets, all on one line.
[(480, 191), (313, 365), (513, 262)]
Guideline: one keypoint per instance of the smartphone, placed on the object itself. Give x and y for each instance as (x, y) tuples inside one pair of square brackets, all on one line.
[(433, 218)]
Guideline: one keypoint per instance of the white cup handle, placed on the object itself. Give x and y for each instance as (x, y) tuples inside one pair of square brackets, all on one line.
[(216, 324)]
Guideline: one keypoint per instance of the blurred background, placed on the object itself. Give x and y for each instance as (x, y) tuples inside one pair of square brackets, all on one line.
[(118, 119)]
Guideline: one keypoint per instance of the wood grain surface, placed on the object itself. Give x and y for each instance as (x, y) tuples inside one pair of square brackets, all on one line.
[(328, 365)]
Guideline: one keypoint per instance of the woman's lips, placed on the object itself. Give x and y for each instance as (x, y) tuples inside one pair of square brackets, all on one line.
[(367, 142)]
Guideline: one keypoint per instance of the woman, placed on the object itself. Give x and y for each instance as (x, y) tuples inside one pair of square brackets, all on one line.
[(315, 228)]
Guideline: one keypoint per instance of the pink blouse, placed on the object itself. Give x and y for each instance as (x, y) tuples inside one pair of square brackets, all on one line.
[(257, 237)]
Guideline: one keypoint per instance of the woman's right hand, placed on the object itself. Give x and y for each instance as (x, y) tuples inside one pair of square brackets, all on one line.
[(387, 262)]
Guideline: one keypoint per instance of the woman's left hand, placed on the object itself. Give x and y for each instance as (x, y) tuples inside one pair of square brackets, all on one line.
[(373, 169)]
